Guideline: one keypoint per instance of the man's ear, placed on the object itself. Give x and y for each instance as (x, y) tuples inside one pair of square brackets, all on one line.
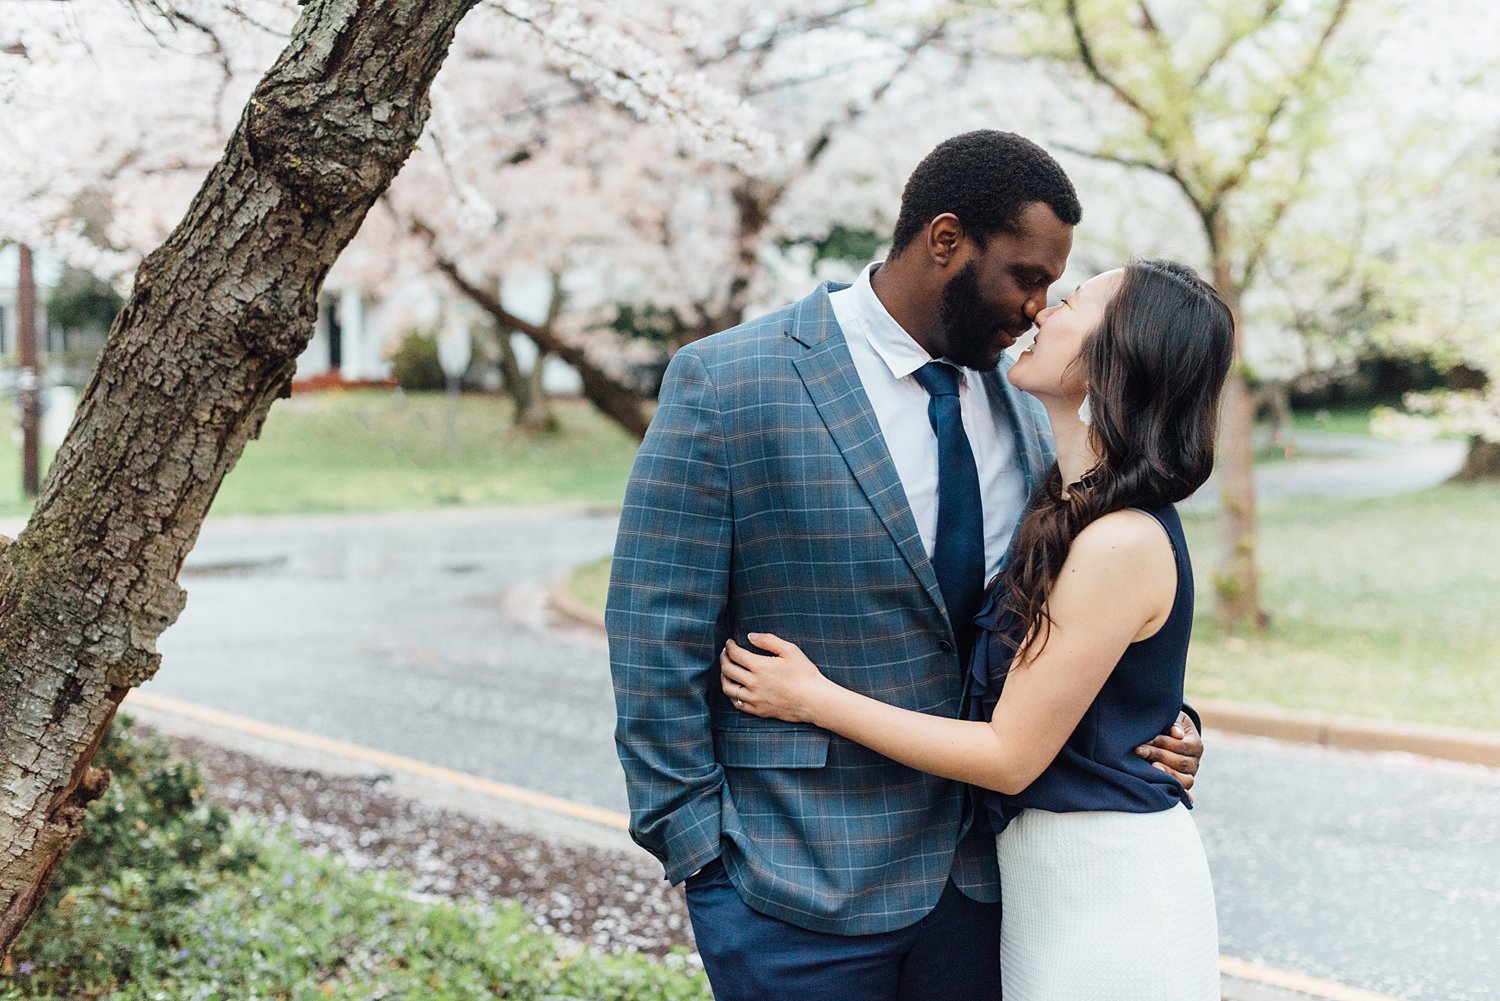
[(944, 234)]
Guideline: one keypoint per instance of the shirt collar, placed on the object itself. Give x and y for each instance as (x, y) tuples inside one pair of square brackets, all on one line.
[(901, 354)]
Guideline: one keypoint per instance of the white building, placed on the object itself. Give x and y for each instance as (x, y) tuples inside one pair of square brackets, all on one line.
[(343, 340), (352, 341), (345, 344)]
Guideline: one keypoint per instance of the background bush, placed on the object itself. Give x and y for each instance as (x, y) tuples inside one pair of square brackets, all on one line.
[(416, 362)]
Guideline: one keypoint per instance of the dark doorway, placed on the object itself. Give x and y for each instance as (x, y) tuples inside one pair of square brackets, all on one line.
[(335, 334)]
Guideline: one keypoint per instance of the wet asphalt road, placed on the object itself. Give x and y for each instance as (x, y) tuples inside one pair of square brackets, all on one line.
[(407, 634), (427, 636)]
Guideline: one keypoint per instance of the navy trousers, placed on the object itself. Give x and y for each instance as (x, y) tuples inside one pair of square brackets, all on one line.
[(952, 954)]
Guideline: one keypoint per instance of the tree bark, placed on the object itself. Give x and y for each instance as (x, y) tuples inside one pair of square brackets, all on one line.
[(1482, 462), (208, 340), (1237, 582)]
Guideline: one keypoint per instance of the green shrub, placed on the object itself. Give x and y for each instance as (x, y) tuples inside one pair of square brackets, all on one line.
[(416, 362), (82, 301), (165, 899), (146, 847), (295, 925)]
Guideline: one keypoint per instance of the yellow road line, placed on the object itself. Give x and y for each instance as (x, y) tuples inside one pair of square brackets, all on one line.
[(1229, 965), (1270, 976), (391, 762)]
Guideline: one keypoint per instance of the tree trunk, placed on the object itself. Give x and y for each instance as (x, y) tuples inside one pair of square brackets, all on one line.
[(515, 383), (1482, 462), (208, 340), (753, 201), (1237, 582), (537, 416), (615, 401), (1274, 399)]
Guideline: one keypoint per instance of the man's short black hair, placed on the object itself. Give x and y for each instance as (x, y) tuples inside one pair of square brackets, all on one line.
[(985, 178)]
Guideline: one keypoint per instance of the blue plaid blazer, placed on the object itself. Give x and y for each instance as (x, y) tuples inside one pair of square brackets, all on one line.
[(764, 498)]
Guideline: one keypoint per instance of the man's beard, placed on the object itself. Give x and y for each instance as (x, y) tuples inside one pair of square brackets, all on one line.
[(968, 324)]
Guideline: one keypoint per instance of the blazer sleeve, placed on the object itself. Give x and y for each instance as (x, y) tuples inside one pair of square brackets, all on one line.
[(668, 589)]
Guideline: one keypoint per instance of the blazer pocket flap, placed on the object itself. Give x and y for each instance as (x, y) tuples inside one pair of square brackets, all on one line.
[(767, 747)]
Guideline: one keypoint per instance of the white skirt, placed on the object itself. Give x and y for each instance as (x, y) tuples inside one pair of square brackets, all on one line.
[(1107, 905)]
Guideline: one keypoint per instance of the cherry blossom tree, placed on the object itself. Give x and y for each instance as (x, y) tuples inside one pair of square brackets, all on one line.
[(1441, 296), (1225, 101), (1254, 139), (209, 337), (110, 189), (534, 161), (651, 235)]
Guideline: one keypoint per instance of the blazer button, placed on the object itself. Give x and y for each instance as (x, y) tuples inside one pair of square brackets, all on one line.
[(945, 646)]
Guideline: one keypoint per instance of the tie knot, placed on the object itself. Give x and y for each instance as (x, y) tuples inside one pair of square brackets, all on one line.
[(938, 379)]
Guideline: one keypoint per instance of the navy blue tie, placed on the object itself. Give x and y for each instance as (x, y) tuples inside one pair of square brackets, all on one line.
[(958, 552)]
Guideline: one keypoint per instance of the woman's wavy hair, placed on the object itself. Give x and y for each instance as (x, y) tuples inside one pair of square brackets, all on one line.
[(1155, 368)]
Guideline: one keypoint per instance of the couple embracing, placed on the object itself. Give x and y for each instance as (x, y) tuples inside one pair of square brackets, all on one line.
[(898, 627)]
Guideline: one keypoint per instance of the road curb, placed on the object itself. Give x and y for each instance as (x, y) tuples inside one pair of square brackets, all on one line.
[(1349, 733), (522, 808), (569, 607)]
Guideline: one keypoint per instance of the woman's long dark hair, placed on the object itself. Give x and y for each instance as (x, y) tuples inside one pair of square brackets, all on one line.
[(1155, 368)]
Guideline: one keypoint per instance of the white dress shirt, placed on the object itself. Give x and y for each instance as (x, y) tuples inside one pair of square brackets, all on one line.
[(885, 356)]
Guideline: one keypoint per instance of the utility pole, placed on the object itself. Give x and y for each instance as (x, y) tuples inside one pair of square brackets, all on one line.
[(27, 381)]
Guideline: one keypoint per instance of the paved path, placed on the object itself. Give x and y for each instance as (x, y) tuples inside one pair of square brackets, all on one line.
[(427, 637), (1345, 465)]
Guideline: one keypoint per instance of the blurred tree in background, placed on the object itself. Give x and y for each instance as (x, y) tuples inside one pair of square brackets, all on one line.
[(1230, 102)]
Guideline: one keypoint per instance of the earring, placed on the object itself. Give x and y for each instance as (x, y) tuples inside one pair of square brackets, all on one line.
[(1085, 413)]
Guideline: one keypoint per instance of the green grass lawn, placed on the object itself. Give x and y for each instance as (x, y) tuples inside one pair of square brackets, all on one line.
[(590, 582), (1346, 420), (1386, 608), (1341, 422), (381, 450)]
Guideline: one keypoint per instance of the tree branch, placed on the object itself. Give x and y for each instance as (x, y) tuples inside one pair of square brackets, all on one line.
[(615, 401), (791, 27), (855, 110), (1232, 39), (1262, 139), (1091, 63), (1148, 22), (1279, 209), (1164, 169)]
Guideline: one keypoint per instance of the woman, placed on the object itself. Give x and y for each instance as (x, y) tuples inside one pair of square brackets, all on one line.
[(1081, 655)]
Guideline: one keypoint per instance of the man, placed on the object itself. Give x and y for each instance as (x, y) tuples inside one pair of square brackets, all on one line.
[(809, 473)]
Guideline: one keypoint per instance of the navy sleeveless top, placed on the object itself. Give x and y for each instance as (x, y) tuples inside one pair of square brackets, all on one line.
[(1098, 769)]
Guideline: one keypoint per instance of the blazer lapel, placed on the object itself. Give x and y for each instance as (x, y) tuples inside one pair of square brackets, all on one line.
[(828, 372)]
